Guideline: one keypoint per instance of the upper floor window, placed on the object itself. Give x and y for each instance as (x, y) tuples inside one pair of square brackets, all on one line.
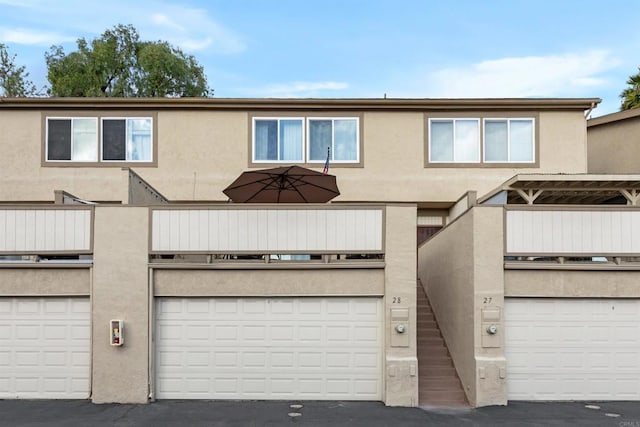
[(338, 137), (87, 140), (296, 140), (72, 139), (454, 140), (126, 139), (277, 140), (508, 140), (492, 140)]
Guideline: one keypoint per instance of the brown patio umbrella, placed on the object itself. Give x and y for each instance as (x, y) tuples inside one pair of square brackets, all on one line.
[(287, 184)]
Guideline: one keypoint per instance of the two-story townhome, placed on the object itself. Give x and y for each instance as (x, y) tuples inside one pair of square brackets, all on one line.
[(127, 275)]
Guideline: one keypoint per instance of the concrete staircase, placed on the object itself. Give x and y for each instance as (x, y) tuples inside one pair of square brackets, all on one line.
[(438, 382)]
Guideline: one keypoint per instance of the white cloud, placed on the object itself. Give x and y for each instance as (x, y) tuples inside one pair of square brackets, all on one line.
[(15, 3), (571, 74), (163, 20), (28, 36), (192, 29), (298, 89)]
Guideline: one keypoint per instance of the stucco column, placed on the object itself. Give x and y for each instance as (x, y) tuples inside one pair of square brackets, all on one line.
[(401, 364), (488, 280), (120, 291)]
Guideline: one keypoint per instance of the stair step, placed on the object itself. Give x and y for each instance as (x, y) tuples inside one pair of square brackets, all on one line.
[(433, 352), (432, 396), (427, 322), (427, 346), (432, 355), (438, 363), (434, 338), (437, 371), (435, 395), (424, 329), (427, 329), (427, 326), (439, 383)]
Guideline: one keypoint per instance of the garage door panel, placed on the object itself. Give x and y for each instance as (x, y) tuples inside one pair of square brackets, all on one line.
[(45, 348), (314, 348), (277, 387), (570, 349)]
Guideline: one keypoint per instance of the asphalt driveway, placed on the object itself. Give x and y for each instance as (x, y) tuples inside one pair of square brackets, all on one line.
[(195, 413)]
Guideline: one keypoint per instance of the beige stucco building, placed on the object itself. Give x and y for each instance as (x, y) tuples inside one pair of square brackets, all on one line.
[(613, 143), (112, 210)]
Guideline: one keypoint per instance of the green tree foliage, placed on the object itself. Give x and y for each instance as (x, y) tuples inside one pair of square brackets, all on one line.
[(14, 80), (631, 95), (118, 64)]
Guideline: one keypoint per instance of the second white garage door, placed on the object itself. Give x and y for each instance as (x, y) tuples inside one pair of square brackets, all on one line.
[(44, 348), (572, 349), (269, 348)]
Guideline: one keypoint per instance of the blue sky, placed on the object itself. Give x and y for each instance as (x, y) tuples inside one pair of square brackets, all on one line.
[(363, 48)]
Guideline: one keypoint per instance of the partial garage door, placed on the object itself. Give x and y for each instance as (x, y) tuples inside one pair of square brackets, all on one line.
[(572, 349), (269, 348), (44, 348)]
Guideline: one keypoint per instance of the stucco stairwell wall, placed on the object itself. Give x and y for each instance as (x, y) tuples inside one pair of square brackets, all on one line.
[(461, 269)]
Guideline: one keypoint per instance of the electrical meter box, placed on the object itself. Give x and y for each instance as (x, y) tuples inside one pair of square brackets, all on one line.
[(116, 333)]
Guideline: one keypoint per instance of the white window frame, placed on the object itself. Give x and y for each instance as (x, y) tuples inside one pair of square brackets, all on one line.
[(126, 119), (277, 119), (332, 119), (508, 120), (453, 120), (71, 119)]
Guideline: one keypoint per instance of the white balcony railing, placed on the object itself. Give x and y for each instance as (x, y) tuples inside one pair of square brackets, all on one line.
[(258, 229), (567, 231), (36, 230)]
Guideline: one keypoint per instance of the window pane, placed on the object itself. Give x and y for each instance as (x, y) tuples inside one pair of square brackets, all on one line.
[(319, 139), (59, 139), (441, 141), (139, 139), (467, 144), (114, 140), (266, 140), (85, 140), (521, 140), (291, 140), (495, 141), (345, 145)]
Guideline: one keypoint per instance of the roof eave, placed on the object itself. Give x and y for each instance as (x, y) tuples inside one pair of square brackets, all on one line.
[(410, 104)]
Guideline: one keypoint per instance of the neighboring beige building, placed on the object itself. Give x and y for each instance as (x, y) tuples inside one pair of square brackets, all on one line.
[(112, 209), (614, 143)]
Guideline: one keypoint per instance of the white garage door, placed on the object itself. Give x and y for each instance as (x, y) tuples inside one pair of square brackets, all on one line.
[(44, 348), (572, 349), (269, 348)]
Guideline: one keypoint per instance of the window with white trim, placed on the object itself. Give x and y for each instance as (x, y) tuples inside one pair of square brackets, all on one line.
[(277, 140), (490, 140), (80, 139), (338, 136), (285, 139), (127, 139), (509, 140), (454, 140), (72, 139)]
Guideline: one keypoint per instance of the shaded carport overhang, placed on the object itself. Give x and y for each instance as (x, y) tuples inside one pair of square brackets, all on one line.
[(566, 189)]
